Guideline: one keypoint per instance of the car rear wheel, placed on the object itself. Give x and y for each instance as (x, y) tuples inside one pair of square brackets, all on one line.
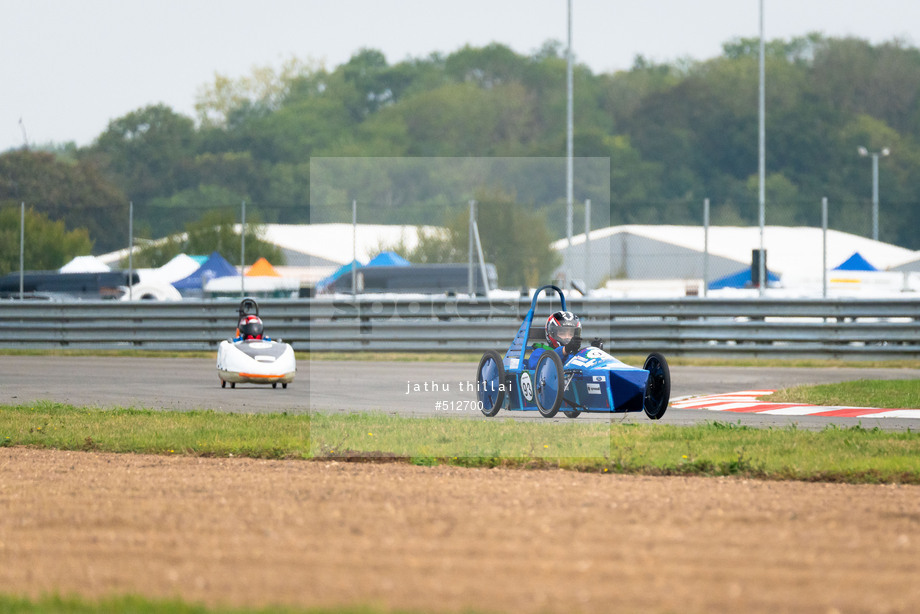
[(549, 384), (658, 386), (490, 383)]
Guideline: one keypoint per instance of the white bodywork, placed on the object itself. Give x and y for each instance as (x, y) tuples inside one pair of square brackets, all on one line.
[(256, 362)]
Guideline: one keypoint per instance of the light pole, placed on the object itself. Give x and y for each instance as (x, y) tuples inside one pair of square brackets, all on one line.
[(569, 148), (875, 155), (762, 160)]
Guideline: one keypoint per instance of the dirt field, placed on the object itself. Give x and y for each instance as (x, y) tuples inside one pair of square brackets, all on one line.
[(248, 532)]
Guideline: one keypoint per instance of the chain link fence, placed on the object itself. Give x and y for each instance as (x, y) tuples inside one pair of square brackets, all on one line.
[(624, 247)]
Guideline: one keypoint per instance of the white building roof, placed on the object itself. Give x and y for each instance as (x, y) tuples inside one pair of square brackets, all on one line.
[(617, 252), (791, 251), (331, 243), (338, 242), (85, 264)]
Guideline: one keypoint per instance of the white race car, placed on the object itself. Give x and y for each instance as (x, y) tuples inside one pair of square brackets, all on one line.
[(251, 357)]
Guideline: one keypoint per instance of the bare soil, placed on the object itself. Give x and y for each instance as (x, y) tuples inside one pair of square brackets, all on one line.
[(246, 532)]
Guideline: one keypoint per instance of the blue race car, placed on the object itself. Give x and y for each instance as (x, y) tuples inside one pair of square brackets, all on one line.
[(590, 380)]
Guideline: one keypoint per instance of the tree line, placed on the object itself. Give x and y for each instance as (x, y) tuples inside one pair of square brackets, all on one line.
[(674, 133)]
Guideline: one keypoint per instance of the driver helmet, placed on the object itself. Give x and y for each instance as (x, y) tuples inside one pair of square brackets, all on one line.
[(561, 328), (251, 327)]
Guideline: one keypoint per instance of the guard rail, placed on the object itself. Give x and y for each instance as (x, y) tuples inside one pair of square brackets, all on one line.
[(691, 326)]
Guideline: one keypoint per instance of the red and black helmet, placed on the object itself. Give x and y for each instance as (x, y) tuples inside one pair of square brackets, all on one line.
[(561, 328), (251, 327)]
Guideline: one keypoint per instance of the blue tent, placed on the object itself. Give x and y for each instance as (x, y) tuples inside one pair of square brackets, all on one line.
[(325, 282), (388, 259), (741, 279), (381, 259), (855, 263), (215, 266)]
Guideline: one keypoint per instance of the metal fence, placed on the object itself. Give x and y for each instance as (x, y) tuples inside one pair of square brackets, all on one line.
[(692, 326)]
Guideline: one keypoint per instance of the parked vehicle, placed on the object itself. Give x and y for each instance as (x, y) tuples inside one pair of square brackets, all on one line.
[(416, 279), (94, 285)]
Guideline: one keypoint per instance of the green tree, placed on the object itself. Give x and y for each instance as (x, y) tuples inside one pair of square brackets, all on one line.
[(853, 76), (463, 119), (164, 216), (675, 133), (48, 244), (147, 152), (74, 193), (264, 89), (514, 238), (782, 197)]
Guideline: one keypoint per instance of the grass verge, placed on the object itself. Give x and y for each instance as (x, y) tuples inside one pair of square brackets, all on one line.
[(888, 394), (54, 604), (854, 455), (199, 433)]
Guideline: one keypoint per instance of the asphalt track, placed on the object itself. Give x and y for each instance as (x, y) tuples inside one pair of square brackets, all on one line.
[(405, 388)]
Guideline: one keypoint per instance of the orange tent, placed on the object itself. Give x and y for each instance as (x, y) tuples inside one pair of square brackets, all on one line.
[(262, 268)]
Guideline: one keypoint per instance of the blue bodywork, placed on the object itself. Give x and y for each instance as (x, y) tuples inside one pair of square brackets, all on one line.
[(593, 379)]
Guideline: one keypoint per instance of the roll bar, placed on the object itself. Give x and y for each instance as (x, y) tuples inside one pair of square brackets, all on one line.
[(249, 307), (519, 344), (536, 295)]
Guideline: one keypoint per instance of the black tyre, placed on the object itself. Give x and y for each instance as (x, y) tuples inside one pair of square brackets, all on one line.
[(274, 384), (223, 383), (658, 386), (548, 383), (284, 385), (574, 413), (490, 383)]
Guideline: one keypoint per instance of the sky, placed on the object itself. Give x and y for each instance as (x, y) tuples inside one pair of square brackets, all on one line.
[(69, 67)]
